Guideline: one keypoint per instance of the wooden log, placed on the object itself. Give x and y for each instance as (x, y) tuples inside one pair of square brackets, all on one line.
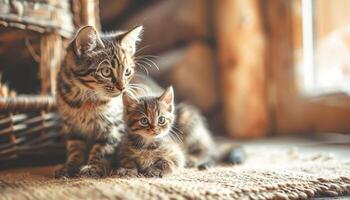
[(51, 53), (191, 71), (172, 22), (241, 50), (112, 9), (86, 12)]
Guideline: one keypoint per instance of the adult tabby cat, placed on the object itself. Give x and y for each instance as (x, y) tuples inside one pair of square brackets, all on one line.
[(96, 70)]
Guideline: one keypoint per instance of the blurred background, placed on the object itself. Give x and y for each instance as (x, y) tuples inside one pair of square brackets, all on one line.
[(254, 68)]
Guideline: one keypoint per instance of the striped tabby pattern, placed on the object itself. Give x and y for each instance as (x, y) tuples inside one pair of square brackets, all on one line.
[(161, 138), (147, 149), (96, 70)]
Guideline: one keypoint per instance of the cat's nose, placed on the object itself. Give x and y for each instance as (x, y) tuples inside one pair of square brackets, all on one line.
[(120, 85), (121, 88)]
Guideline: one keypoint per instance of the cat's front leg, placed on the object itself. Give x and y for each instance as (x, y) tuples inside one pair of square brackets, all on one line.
[(76, 150), (100, 159)]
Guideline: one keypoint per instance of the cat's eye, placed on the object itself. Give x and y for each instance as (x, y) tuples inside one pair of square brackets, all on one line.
[(161, 120), (127, 72), (106, 72), (144, 121)]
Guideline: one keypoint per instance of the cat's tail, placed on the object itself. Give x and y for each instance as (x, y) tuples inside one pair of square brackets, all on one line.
[(233, 154), (227, 154)]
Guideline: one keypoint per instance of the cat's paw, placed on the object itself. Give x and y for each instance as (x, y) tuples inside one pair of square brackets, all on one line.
[(64, 171), (92, 171), (125, 172), (236, 156), (152, 172)]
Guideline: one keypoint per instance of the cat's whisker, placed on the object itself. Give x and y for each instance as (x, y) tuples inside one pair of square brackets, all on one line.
[(149, 62), (132, 93), (145, 56), (144, 62), (143, 48), (138, 85), (134, 87), (154, 64), (144, 68)]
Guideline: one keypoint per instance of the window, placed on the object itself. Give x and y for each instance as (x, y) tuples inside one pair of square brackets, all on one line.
[(324, 66)]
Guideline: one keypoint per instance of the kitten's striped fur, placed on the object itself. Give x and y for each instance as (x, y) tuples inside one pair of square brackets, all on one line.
[(96, 70), (147, 147), (159, 149)]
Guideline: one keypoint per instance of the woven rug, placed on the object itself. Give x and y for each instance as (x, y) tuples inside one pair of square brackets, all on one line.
[(267, 174)]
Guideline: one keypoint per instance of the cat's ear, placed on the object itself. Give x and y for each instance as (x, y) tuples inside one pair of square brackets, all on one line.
[(131, 38), (128, 101), (87, 40), (168, 97)]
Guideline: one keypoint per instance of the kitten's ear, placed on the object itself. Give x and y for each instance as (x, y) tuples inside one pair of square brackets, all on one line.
[(128, 101), (87, 40), (168, 97), (131, 38)]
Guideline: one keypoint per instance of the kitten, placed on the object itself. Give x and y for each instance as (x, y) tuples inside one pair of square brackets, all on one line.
[(153, 146), (96, 70), (147, 147)]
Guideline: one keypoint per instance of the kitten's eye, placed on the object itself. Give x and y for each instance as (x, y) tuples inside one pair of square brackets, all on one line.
[(127, 72), (106, 72), (144, 121), (161, 120)]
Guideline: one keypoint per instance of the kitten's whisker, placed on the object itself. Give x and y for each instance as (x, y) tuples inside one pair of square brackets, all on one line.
[(177, 130), (177, 136), (171, 136)]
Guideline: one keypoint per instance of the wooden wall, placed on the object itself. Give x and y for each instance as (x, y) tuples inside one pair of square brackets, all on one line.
[(234, 59), (213, 52)]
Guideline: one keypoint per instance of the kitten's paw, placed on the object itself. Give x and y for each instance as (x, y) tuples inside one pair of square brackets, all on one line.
[(205, 165), (163, 165), (125, 172), (92, 171), (65, 171), (190, 163), (152, 172)]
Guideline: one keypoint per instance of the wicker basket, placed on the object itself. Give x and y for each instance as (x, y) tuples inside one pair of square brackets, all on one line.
[(29, 126), (29, 131)]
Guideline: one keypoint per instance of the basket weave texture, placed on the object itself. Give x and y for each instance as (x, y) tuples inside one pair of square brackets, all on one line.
[(29, 130), (38, 15)]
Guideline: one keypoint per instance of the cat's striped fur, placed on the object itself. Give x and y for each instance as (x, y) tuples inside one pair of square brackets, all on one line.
[(96, 70)]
